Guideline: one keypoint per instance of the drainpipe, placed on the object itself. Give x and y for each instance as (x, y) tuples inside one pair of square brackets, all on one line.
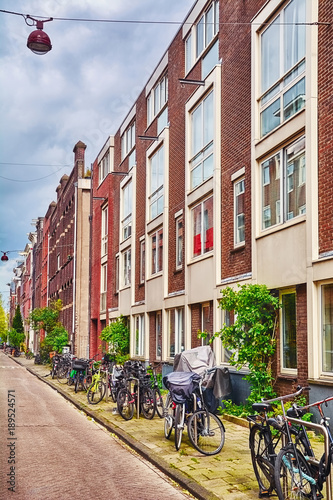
[(74, 268)]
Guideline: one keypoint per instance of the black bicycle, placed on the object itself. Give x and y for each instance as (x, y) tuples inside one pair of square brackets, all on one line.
[(158, 399)]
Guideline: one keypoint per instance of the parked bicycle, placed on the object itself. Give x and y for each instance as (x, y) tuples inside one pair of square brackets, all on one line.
[(158, 399), (297, 470), (137, 391), (185, 404), (268, 435)]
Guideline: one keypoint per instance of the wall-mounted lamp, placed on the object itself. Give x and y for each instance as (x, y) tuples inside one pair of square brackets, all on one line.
[(148, 137), (38, 41), (187, 81)]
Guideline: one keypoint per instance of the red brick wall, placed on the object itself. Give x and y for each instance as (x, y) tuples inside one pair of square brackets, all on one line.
[(325, 128)]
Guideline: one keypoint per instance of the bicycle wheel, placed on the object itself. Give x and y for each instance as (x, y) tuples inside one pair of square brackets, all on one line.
[(63, 374), (179, 424), (261, 461), (96, 392), (169, 416), (206, 432), (293, 477), (147, 403), (86, 381), (125, 404), (158, 400)]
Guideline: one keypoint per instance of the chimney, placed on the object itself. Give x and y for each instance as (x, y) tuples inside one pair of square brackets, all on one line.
[(79, 150)]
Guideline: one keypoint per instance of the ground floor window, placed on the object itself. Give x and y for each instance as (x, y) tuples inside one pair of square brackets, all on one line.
[(327, 327), (158, 335), (288, 331), (176, 340), (139, 335)]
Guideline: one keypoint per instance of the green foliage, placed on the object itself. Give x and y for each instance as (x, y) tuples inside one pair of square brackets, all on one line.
[(57, 338), (117, 337), (17, 320), (251, 337), (46, 318), (44, 352), (3, 321), (15, 338), (230, 408)]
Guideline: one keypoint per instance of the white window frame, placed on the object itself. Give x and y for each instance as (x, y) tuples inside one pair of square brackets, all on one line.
[(157, 98), (127, 265), (203, 229), (104, 167), (157, 258), (159, 337), (104, 231), (127, 207), (128, 141), (104, 279), (117, 268), (227, 318), (179, 331), (142, 261), (139, 332), (179, 241), (283, 179), (204, 307), (326, 329), (285, 369), (239, 218), (203, 154), (288, 81), (156, 183)]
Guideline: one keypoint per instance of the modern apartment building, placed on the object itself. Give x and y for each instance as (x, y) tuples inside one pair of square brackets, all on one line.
[(221, 174)]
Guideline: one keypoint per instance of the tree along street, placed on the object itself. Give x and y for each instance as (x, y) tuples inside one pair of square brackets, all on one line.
[(50, 450)]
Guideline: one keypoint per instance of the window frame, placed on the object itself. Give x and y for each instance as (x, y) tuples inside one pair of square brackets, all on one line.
[(284, 333), (288, 80), (237, 239), (156, 193), (204, 153), (139, 332), (103, 289), (159, 335), (178, 330), (104, 230), (157, 98), (104, 167), (157, 257), (127, 210), (279, 161), (128, 141), (201, 242), (127, 267), (323, 310), (142, 261), (179, 241)]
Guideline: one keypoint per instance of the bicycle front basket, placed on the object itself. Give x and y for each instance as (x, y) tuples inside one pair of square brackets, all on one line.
[(181, 385), (79, 364)]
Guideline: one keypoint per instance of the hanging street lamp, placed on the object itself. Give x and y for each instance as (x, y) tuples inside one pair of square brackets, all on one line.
[(38, 41)]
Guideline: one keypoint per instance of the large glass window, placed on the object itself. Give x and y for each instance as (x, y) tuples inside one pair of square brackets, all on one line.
[(207, 27), (202, 135), (104, 167), (127, 267), (179, 242), (157, 98), (139, 335), (104, 245), (156, 199), (158, 335), (283, 178), (206, 322), (283, 66), (104, 270), (288, 331), (142, 261), (157, 251), (127, 200), (128, 141), (202, 224), (327, 327), (176, 340), (239, 215)]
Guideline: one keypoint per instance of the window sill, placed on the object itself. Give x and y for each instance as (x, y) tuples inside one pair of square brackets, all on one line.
[(200, 258), (237, 249), (280, 227), (326, 381)]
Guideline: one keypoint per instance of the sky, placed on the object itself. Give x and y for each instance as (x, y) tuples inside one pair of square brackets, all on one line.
[(80, 91)]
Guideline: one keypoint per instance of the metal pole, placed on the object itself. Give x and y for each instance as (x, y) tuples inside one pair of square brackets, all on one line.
[(107, 384), (138, 401)]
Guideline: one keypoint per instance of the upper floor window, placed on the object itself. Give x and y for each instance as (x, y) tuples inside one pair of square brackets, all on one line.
[(104, 270), (202, 135), (104, 167), (157, 98), (207, 27), (142, 261), (283, 178), (202, 223), (104, 243), (283, 66), (157, 251), (156, 199), (179, 242), (127, 267), (127, 200), (128, 141), (239, 215)]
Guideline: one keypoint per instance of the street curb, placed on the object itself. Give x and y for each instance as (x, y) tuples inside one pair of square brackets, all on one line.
[(195, 489)]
